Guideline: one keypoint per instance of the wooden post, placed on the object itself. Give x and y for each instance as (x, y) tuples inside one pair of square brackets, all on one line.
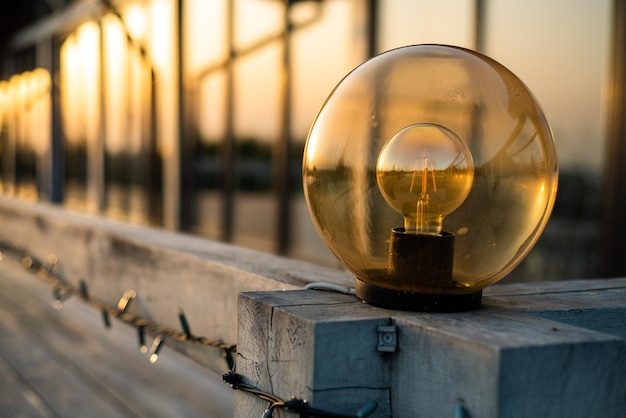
[(302, 343), (524, 354)]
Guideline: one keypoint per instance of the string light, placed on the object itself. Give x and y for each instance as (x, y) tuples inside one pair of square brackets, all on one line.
[(59, 298), (183, 322), (141, 332), (106, 319), (62, 290), (157, 344), (126, 299)]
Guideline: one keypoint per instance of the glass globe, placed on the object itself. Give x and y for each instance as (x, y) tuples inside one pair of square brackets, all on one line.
[(431, 115), (425, 172)]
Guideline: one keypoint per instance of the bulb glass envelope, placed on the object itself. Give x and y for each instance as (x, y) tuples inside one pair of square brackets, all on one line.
[(480, 101)]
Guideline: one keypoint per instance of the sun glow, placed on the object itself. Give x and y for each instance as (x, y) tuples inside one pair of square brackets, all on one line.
[(80, 84)]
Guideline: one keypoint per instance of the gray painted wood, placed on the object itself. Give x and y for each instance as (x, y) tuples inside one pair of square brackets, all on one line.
[(496, 362), (64, 363), (536, 350), (303, 344), (168, 270)]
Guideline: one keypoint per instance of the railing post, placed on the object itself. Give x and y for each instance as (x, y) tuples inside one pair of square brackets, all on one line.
[(305, 344), (499, 361), (50, 163)]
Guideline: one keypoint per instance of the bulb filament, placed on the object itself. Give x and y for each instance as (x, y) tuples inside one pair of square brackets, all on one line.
[(421, 221), (425, 172)]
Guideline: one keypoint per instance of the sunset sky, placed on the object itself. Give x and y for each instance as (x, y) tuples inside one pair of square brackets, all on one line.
[(559, 48)]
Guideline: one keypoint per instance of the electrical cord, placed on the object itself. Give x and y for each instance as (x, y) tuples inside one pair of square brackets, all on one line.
[(62, 290), (294, 404)]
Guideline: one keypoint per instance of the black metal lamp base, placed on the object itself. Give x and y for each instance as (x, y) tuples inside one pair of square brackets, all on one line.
[(417, 302)]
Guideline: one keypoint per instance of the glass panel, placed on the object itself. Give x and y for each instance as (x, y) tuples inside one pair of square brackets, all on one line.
[(205, 28), (131, 167), (211, 133), (205, 58), (161, 45), (117, 109), (27, 122), (79, 73), (257, 124), (563, 57), (326, 37), (5, 112), (256, 20), (407, 22)]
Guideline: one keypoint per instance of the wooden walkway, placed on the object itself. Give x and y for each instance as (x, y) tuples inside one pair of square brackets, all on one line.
[(65, 363)]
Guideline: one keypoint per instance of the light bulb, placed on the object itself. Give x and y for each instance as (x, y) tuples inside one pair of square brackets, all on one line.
[(425, 171), (395, 135)]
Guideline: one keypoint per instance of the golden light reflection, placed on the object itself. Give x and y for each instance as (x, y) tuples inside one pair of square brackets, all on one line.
[(25, 119), (161, 38), (116, 63), (212, 126), (40, 110), (69, 91), (4, 102), (89, 46), (126, 77), (25, 107), (135, 18), (80, 89), (205, 31)]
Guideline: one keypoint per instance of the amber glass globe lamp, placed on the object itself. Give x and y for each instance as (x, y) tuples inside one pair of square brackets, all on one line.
[(430, 172)]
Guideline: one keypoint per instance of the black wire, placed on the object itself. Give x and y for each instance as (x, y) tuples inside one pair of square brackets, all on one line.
[(296, 405), (62, 287)]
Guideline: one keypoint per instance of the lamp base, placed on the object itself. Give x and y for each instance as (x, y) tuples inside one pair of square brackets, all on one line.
[(417, 302)]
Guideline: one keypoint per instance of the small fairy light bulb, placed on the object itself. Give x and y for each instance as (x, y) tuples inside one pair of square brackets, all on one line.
[(157, 344), (425, 172)]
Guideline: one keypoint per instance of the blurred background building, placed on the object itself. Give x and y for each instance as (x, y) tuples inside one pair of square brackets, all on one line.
[(192, 114)]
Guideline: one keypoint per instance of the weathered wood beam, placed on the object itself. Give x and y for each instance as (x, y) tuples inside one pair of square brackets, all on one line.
[(167, 270), (516, 357)]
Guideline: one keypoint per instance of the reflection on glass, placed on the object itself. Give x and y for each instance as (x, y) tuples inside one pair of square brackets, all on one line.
[(25, 121), (425, 172), (129, 136), (256, 130), (480, 101), (80, 100), (322, 53)]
